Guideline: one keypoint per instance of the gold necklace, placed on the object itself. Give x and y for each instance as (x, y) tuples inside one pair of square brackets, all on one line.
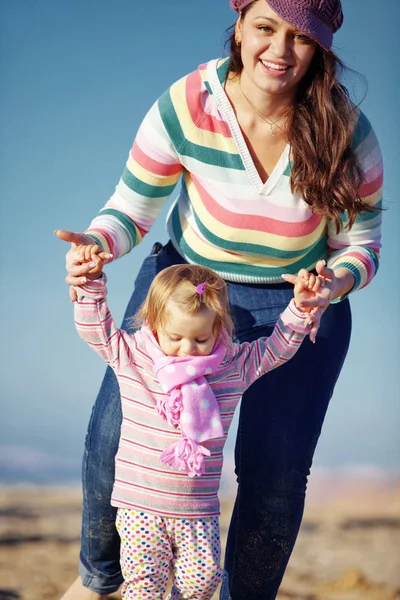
[(272, 124)]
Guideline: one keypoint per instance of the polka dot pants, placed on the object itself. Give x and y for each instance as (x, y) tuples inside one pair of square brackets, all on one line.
[(153, 546)]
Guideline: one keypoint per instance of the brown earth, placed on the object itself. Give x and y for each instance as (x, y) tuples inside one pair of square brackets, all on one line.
[(348, 547)]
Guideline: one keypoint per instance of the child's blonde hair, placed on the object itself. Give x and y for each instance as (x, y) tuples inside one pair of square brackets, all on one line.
[(179, 283)]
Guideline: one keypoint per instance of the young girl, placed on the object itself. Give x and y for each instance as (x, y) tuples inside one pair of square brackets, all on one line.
[(181, 377)]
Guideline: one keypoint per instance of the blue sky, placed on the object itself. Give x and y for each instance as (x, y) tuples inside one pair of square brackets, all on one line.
[(77, 78)]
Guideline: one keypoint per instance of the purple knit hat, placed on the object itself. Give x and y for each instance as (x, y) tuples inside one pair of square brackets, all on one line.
[(317, 18)]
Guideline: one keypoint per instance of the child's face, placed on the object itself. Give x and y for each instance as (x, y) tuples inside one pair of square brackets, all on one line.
[(183, 334)]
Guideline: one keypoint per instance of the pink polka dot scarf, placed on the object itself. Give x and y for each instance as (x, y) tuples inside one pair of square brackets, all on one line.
[(190, 406)]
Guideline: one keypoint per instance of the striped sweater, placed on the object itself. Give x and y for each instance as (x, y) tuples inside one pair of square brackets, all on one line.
[(141, 480), (224, 216)]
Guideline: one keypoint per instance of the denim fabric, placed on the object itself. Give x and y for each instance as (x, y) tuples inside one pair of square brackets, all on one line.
[(281, 416), (280, 421), (99, 558)]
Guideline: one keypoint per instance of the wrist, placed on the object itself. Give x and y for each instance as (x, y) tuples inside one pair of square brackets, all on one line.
[(343, 283), (94, 276), (94, 289), (295, 318), (300, 309)]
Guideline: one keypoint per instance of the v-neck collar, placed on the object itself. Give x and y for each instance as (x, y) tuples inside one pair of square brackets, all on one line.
[(216, 76)]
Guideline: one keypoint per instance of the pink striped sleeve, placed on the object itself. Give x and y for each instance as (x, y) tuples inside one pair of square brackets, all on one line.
[(257, 358), (96, 326)]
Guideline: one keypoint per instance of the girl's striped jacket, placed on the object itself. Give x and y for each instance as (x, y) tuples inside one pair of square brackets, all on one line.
[(142, 481)]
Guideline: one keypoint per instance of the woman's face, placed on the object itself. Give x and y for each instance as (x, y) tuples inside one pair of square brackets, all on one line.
[(275, 55)]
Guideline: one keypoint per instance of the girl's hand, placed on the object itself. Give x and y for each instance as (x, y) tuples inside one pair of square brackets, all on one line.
[(315, 294), (79, 267), (319, 302), (305, 286), (93, 256)]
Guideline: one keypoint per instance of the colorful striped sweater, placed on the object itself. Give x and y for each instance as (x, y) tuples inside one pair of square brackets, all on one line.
[(141, 480), (225, 217)]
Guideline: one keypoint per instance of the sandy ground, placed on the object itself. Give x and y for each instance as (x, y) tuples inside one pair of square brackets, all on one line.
[(348, 547)]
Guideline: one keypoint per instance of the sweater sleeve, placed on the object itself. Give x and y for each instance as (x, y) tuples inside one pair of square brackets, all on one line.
[(267, 353), (96, 326), (358, 249), (150, 175)]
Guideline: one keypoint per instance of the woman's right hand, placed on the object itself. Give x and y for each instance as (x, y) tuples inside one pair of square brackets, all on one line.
[(78, 270)]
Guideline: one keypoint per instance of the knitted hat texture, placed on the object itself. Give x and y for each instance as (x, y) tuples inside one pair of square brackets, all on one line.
[(319, 19)]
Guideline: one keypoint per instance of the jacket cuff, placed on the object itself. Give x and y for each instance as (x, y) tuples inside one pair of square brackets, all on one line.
[(95, 290), (295, 319)]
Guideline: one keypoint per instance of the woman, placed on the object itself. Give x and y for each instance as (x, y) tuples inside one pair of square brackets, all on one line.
[(279, 170)]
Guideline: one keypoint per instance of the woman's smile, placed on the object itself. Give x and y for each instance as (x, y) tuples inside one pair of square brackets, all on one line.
[(275, 69)]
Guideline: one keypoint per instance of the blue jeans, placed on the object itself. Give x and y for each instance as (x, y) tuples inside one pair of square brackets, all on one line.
[(280, 421)]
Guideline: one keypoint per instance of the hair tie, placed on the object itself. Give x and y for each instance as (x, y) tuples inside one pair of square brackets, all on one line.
[(201, 288)]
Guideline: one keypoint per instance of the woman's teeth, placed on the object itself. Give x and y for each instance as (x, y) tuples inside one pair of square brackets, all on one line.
[(274, 66)]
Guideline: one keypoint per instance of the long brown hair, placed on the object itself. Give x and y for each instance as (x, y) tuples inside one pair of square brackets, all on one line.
[(325, 170)]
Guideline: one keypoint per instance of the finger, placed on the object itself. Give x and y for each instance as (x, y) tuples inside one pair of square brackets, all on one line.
[(327, 273), (309, 319), (303, 286), (317, 301), (97, 268), (300, 287), (88, 252), (73, 296), (304, 273), (313, 334), (311, 280), (73, 236), (80, 252), (77, 273), (314, 330), (289, 278), (80, 269), (105, 256), (82, 257), (317, 284), (323, 270), (315, 287), (95, 258), (76, 280)]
